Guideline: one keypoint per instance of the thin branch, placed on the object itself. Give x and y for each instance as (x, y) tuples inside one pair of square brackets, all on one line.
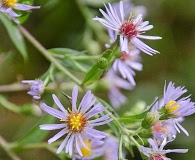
[(47, 55), (4, 145)]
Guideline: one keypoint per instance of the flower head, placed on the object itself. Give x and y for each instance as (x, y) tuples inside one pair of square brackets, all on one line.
[(77, 124), (129, 30), (7, 6), (111, 153), (36, 88), (174, 107), (114, 83), (128, 7), (97, 149), (164, 128), (127, 63), (156, 152)]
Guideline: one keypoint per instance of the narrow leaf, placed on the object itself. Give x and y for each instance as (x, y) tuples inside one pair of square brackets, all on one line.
[(134, 118), (65, 51), (15, 35), (36, 135)]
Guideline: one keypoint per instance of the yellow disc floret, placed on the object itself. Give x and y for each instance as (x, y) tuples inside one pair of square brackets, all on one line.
[(76, 122), (9, 3), (171, 107), (84, 150)]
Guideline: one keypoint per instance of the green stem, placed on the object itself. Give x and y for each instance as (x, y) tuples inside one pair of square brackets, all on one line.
[(135, 142), (79, 66), (138, 131), (118, 124), (120, 151), (84, 57), (13, 87), (6, 104), (4, 145), (47, 55)]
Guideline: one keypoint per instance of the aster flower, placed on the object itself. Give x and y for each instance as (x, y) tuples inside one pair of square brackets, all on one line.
[(111, 149), (8, 7), (97, 149), (164, 128), (114, 83), (129, 30), (128, 7), (36, 88), (127, 63), (77, 124), (156, 152), (174, 107)]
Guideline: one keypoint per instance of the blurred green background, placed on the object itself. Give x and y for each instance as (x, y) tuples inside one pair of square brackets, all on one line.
[(63, 23)]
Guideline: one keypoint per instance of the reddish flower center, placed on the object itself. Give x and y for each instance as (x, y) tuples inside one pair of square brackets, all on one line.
[(125, 56), (156, 157), (128, 29), (158, 127)]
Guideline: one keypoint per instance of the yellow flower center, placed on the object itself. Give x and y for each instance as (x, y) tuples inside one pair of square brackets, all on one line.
[(76, 122), (9, 3), (171, 107), (85, 151)]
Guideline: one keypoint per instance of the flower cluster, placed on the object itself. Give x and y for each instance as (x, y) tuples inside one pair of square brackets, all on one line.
[(116, 71), (130, 29), (168, 113)]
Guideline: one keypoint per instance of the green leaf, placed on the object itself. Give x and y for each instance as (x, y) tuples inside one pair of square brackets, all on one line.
[(36, 135), (15, 35), (64, 57), (94, 73), (134, 118), (65, 52)]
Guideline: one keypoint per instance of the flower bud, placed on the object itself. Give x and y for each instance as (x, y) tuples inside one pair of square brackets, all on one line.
[(102, 63), (150, 119)]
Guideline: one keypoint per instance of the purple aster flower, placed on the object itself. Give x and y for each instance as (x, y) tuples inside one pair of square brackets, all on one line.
[(111, 149), (36, 88), (128, 7), (156, 152), (114, 83), (97, 149), (164, 128), (127, 63), (7, 6), (174, 107), (78, 123), (129, 30)]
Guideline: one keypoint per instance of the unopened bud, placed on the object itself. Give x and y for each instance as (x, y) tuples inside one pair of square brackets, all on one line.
[(102, 63), (150, 119)]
